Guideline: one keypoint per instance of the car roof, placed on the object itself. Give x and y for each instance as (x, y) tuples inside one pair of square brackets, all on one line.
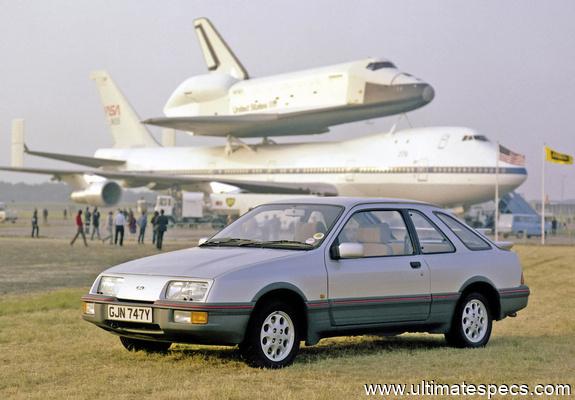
[(349, 201)]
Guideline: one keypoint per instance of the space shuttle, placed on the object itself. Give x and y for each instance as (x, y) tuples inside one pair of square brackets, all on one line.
[(227, 102)]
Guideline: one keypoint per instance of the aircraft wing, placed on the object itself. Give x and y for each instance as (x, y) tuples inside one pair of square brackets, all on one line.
[(154, 180), (241, 126), (80, 160)]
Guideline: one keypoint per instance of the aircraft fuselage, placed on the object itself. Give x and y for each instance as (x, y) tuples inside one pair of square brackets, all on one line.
[(427, 164)]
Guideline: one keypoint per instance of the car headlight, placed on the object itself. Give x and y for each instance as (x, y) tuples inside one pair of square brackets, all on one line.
[(110, 285), (187, 291)]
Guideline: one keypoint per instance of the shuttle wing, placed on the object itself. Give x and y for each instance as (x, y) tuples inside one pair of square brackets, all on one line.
[(242, 126), (157, 180), (213, 125)]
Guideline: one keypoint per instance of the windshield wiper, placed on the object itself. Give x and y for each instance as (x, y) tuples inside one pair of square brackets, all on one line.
[(228, 242), (282, 243), (238, 242)]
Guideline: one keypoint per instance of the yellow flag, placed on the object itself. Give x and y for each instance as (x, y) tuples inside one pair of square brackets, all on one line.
[(556, 157)]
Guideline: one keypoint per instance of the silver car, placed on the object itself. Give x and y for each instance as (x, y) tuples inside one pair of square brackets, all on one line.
[(308, 269)]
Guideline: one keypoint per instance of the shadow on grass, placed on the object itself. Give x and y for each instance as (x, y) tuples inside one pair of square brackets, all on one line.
[(329, 348)]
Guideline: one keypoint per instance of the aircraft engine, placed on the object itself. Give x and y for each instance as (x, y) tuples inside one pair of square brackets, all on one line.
[(201, 88), (104, 194)]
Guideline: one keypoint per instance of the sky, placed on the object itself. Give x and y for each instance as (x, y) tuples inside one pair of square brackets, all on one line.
[(505, 69)]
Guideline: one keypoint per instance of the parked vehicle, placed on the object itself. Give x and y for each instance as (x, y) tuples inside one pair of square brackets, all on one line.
[(188, 208), (339, 266), (236, 204), (6, 214), (520, 225)]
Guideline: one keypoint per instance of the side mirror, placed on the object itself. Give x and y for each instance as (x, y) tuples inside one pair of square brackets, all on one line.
[(504, 245), (202, 241), (350, 250)]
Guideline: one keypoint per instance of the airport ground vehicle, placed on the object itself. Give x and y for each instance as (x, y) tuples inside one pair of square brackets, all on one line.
[(236, 204), (313, 268), (6, 214), (520, 225), (189, 207)]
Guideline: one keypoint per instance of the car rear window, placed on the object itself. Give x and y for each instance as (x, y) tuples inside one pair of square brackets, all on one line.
[(431, 239), (469, 238)]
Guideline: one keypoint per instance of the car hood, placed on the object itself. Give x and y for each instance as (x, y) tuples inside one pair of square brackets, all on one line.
[(200, 262)]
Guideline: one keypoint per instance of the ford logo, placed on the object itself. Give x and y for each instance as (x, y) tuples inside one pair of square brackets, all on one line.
[(139, 288)]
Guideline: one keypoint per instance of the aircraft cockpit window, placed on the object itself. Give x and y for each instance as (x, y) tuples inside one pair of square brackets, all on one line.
[(380, 64), (481, 138)]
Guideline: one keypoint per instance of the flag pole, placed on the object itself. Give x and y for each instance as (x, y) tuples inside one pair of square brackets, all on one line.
[(496, 219), (543, 196)]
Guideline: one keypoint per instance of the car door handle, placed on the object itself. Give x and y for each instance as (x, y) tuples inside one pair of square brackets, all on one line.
[(415, 264)]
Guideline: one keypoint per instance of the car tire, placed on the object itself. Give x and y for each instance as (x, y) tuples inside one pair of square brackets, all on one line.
[(472, 322), (144, 345), (272, 337)]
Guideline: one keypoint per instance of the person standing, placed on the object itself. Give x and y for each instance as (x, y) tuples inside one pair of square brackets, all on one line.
[(88, 218), (95, 223), (45, 214), (142, 222), (154, 222), (35, 228), (65, 212), (132, 223), (119, 222), (110, 228), (162, 223), (554, 226), (80, 229)]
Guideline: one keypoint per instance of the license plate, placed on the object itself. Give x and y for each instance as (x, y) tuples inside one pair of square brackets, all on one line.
[(128, 313)]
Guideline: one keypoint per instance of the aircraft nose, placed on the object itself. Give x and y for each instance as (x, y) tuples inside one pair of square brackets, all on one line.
[(518, 178)]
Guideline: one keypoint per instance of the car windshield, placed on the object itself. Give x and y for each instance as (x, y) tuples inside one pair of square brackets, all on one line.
[(286, 226)]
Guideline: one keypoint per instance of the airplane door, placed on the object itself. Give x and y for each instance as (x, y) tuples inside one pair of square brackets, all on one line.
[(350, 170), (390, 283), (271, 171), (422, 166), (443, 141)]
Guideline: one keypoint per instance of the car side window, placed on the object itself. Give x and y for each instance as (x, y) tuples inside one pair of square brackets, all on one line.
[(431, 239), (469, 238), (380, 232)]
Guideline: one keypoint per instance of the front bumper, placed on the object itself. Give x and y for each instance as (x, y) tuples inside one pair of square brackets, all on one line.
[(226, 324)]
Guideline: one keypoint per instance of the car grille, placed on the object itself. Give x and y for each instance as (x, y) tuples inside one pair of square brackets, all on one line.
[(136, 327), (135, 301)]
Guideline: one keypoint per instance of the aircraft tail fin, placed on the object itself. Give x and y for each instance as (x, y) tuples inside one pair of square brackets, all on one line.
[(218, 55), (125, 126)]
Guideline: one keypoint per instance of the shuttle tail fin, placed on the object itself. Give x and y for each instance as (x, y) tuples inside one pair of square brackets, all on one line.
[(218, 55), (125, 126)]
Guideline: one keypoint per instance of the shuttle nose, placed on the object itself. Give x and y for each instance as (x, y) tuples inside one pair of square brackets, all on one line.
[(423, 90), (427, 93)]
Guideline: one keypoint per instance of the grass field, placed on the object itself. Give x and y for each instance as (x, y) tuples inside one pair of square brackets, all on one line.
[(48, 352)]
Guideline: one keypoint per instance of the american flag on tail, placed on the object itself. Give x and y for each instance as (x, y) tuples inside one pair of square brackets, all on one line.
[(511, 157)]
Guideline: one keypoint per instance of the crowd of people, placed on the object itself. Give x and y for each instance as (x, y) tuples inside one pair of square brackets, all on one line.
[(88, 223)]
